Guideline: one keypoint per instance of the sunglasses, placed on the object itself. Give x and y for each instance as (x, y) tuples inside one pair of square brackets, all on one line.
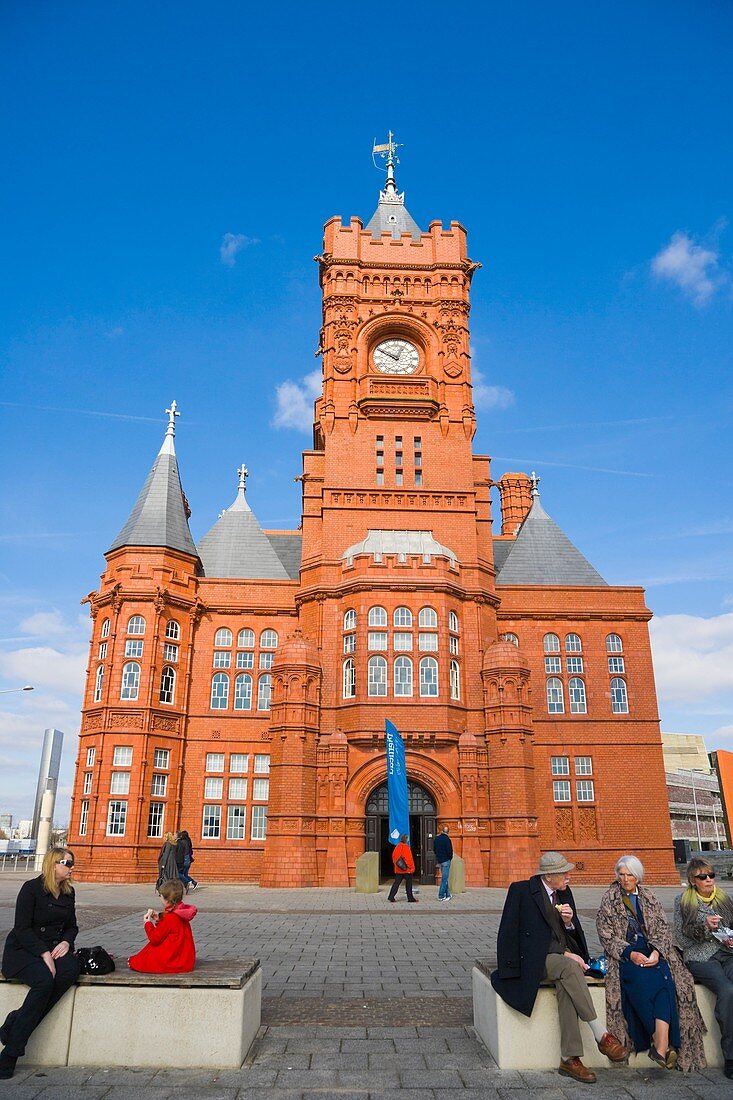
[(707, 874), (65, 862)]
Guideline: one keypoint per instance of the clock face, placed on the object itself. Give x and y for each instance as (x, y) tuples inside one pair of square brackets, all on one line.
[(396, 357)]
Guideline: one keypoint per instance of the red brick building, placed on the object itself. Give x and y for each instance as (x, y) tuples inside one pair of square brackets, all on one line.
[(239, 687)]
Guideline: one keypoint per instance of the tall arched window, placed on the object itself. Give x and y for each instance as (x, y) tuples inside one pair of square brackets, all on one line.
[(136, 625), (510, 636), (614, 644), (105, 628), (377, 676), (99, 684), (428, 676), (428, 618), (243, 692), (264, 692), (619, 698), (555, 698), (130, 680), (576, 694), (453, 622), (455, 680), (573, 643), (402, 617), (223, 637), (172, 630), (377, 616), (268, 639), (167, 685), (403, 677), (220, 691), (350, 619), (551, 643), (349, 679), (246, 639)]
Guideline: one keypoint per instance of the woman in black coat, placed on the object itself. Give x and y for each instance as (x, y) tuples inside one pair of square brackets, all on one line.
[(39, 951)]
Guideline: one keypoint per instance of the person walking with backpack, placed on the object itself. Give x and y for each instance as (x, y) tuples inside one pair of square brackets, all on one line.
[(184, 859), (443, 849), (404, 868)]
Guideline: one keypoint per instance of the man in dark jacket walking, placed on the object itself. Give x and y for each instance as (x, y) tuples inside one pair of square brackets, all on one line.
[(540, 936), (443, 855)]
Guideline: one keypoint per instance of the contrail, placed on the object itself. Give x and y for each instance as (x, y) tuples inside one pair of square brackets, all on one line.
[(84, 412), (572, 466)]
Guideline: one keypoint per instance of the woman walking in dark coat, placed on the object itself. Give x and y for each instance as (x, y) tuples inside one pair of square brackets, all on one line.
[(167, 864), (184, 859), (39, 951)]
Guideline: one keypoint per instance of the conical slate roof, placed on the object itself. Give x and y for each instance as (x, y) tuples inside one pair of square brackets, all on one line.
[(236, 546), (160, 517), (543, 554), (391, 216)]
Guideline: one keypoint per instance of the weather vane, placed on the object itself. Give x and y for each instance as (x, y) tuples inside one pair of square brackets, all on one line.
[(388, 152)]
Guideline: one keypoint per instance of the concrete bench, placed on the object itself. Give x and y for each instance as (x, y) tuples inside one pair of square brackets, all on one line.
[(206, 1018), (518, 1042)]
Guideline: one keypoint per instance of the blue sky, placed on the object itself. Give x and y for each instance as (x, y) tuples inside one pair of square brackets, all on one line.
[(169, 168)]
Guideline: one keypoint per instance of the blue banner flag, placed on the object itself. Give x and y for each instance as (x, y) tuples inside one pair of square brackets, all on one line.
[(399, 813)]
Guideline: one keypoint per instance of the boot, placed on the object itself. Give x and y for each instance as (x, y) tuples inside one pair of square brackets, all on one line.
[(7, 1066)]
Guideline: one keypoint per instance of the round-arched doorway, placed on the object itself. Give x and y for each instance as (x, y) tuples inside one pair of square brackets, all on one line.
[(422, 809)]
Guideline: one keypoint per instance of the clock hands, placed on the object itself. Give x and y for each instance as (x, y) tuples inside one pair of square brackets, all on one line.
[(392, 355)]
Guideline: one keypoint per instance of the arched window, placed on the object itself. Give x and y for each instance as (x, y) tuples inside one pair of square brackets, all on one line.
[(105, 628), (573, 643), (136, 625), (614, 644), (555, 699), (130, 680), (243, 692), (220, 691), (349, 679), (576, 694), (223, 638), (377, 676), (510, 637), (551, 643), (377, 616), (167, 684), (246, 639), (402, 617), (268, 640), (455, 680), (619, 698), (403, 677), (264, 692), (453, 622), (350, 619), (99, 684), (428, 674), (428, 618), (172, 630)]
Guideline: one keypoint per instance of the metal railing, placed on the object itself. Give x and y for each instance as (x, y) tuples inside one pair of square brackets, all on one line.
[(17, 861)]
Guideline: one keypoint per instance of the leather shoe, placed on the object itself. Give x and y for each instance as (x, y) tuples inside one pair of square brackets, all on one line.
[(614, 1050), (573, 1067), (7, 1066), (7, 1026), (728, 1068)]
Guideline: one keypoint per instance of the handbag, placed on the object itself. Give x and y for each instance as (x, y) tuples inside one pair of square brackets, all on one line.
[(598, 967), (94, 960), (401, 863)]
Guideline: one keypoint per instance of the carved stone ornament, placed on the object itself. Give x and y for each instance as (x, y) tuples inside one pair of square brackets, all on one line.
[(164, 722), (453, 369)]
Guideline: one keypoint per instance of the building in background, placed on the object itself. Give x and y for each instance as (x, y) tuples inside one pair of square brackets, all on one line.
[(696, 808), (238, 686), (6, 824), (48, 772)]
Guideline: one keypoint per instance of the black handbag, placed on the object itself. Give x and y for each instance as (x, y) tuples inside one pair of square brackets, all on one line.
[(94, 960), (401, 863)]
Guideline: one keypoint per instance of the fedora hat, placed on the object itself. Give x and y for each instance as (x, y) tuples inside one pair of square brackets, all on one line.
[(553, 863)]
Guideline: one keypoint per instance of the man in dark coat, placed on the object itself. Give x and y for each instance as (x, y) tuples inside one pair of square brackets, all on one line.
[(443, 849), (540, 937)]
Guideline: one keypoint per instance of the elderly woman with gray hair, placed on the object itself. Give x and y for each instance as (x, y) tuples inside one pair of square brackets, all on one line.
[(650, 994)]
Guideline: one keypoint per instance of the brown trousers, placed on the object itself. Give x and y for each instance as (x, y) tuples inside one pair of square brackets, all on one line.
[(573, 1002)]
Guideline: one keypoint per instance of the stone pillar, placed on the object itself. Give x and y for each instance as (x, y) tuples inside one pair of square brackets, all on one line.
[(516, 500), (336, 872), (468, 771), (290, 848), (515, 849)]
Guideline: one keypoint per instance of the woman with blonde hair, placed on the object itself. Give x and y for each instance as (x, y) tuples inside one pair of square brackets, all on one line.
[(703, 915), (167, 866), (39, 951)]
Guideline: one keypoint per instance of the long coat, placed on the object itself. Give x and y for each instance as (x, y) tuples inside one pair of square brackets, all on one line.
[(524, 936), (167, 866), (41, 922), (611, 922)]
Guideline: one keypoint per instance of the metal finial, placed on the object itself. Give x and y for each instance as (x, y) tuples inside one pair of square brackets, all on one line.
[(242, 474), (534, 482), (172, 414), (389, 153)]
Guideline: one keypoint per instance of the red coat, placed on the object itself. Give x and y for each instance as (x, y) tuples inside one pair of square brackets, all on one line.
[(171, 948), (404, 851)]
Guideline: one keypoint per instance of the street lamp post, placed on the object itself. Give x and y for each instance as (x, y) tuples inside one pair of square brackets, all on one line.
[(7, 691)]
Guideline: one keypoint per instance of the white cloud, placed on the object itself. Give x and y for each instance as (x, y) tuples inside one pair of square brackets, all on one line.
[(693, 658), (231, 244), (44, 623), (295, 402), (690, 267), (487, 397)]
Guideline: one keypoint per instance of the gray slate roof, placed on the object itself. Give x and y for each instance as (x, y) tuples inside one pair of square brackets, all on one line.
[(392, 217), (236, 546), (501, 550), (159, 516), (543, 554), (401, 543), (289, 548)]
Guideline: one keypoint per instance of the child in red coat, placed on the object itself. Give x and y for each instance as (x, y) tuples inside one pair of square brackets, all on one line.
[(171, 948)]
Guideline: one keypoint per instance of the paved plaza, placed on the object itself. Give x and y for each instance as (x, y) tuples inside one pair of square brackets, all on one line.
[(361, 1000)]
